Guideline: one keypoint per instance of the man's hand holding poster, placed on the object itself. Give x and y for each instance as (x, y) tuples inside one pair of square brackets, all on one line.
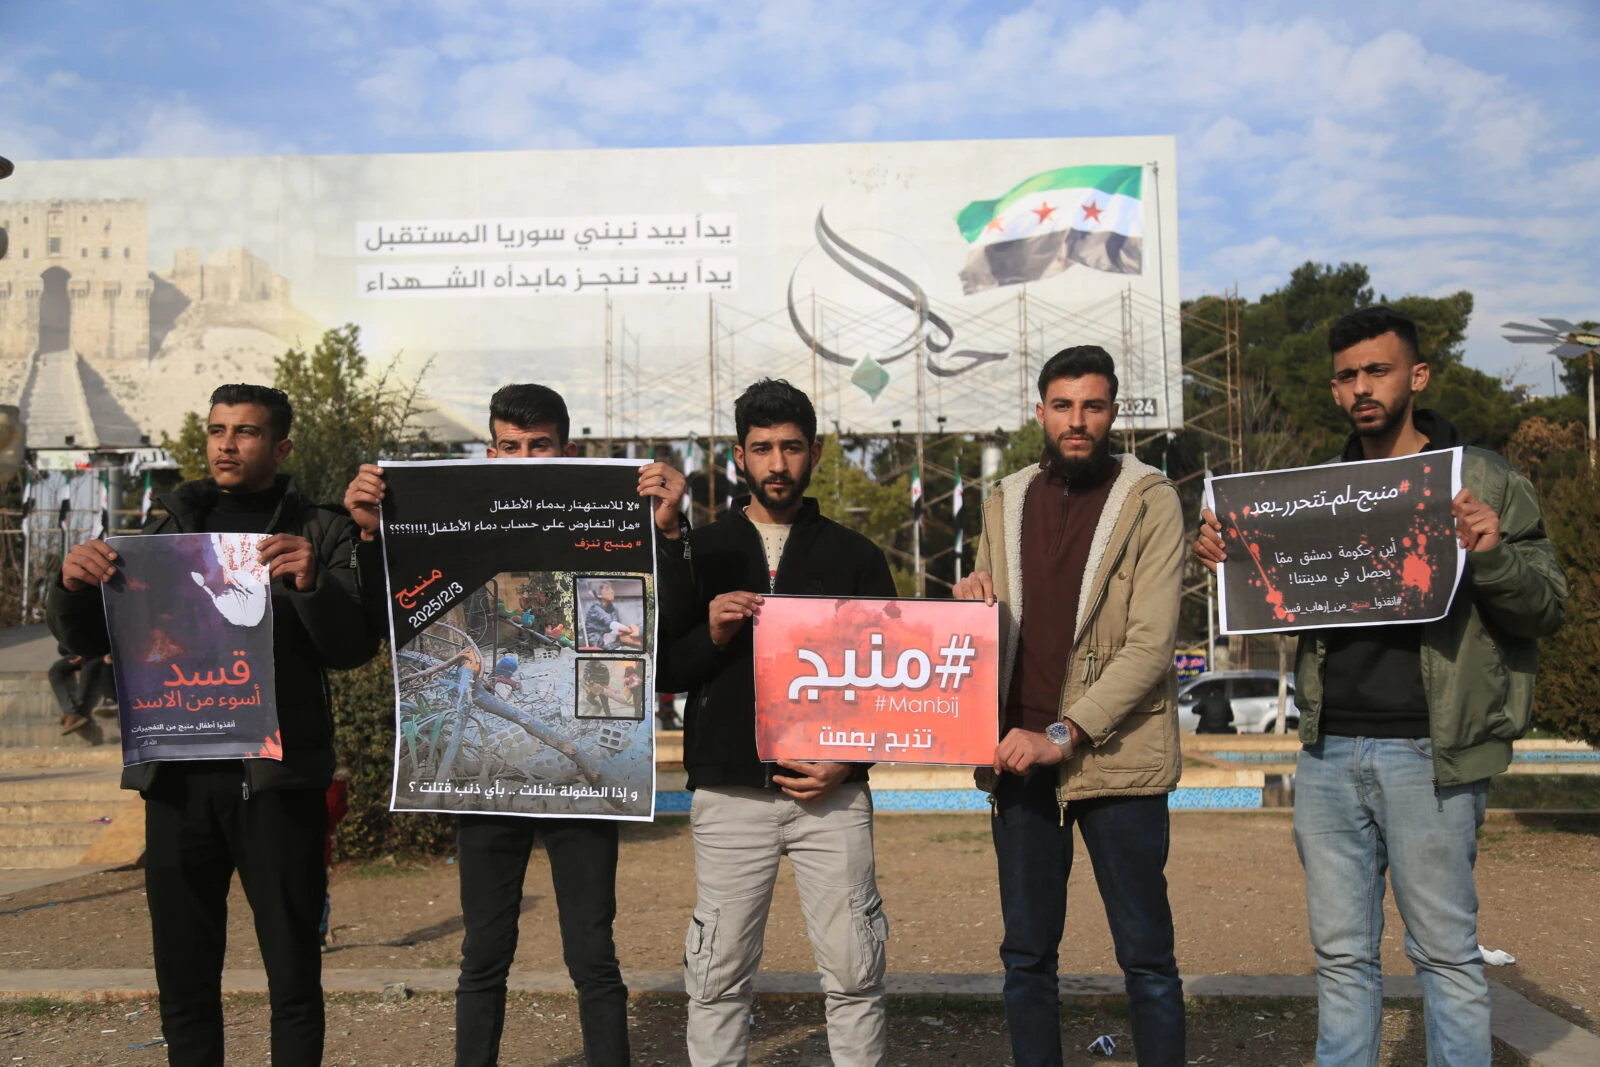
[(521, 599), (1346, 544), (885, 681), (190, 619)]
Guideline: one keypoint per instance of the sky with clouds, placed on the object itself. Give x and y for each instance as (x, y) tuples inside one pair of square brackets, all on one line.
[(1447, 144)]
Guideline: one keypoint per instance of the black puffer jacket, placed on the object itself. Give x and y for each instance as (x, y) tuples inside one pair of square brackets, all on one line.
[(821, 558), (313, 631)]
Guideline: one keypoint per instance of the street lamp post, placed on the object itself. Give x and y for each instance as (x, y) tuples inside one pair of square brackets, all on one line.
[(1565, 341)]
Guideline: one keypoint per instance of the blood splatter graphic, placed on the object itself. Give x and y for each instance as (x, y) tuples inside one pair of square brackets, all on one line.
[(1415, 573)]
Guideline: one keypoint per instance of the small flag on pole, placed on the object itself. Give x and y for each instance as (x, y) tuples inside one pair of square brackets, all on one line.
[(102, 520), (66, 506), (732, 473), (27, 497), (690, 462), (955, 509), (145, 501), (916, 493)]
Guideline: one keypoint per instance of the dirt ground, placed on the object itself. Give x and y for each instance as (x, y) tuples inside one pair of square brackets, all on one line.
[(923, 1032), (1236, 889)]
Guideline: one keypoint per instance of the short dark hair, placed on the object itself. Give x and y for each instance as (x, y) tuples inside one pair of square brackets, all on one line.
[(280, 414), (1364, 324), (528, 405), (773, 402), (1077, 361)]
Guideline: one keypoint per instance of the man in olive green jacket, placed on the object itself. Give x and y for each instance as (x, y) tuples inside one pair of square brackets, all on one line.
[(1093, 544), (1403, 725)]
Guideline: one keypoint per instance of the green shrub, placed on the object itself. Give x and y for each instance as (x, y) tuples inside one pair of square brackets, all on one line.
[(363, 737)]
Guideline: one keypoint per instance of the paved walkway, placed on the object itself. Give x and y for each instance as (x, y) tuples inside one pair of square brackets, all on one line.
[(1545, 1039)]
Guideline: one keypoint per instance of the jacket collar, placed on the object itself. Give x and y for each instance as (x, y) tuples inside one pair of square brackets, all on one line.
[(192, 501), (809, 512), (1440, 432), (1131, 474)]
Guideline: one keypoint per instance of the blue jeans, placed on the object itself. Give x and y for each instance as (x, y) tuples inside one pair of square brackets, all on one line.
[(1127, 842), (1364, 806)]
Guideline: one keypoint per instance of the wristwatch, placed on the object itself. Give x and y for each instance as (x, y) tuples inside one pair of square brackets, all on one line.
[(1059, 734)]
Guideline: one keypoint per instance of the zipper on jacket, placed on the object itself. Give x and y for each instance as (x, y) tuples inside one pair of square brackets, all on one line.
[(244, 789), (1082, 624), (1061, 805)]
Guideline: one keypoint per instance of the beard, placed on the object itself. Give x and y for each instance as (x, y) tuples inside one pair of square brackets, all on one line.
[(778, 493), (1071, 468), (1390, 420)]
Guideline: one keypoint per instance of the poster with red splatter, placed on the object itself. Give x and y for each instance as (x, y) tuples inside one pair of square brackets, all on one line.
[(1368, 543), (886, 681), (190, 619)]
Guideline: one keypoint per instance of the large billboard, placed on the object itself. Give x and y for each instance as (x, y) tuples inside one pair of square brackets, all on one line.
[(649, 285)]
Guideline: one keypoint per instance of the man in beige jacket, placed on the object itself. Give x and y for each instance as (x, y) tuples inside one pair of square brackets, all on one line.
[(1094, 545)]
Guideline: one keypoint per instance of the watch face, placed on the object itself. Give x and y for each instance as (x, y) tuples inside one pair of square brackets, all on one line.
[(1057, 733)]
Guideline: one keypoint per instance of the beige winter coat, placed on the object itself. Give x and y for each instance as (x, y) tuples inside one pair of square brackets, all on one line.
[(1120, 687)]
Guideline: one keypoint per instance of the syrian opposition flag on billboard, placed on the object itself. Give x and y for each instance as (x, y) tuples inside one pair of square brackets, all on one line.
[(916, 493), (1089, 215)]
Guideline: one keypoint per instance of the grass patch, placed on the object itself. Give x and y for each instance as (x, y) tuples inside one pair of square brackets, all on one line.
[(388, 867), (1576, 792), (40, 1007)]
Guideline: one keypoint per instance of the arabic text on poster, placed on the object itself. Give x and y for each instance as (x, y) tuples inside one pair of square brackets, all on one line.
[(1348, 544), (887, 681), (522, 606), (190, 620)]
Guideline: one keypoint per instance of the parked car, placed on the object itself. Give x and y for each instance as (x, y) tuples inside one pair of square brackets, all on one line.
[(1253, 694)]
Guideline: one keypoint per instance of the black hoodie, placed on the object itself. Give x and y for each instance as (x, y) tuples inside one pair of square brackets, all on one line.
[(820, 558), (1373, 679)]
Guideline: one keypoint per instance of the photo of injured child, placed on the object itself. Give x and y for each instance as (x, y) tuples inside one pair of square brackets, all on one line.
[(610, 614), (610, 689)]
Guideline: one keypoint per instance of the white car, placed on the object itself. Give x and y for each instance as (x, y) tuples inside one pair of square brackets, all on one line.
[(1253, 695)]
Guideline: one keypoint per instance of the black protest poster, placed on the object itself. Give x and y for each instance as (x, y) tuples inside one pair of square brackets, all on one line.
[(1344, 544), (190, 620), (522, 613)]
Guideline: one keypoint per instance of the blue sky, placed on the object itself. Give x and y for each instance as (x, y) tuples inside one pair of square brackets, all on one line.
[(1447, 144)]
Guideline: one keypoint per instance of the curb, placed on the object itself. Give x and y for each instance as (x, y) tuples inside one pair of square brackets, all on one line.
[(1545, 1039)]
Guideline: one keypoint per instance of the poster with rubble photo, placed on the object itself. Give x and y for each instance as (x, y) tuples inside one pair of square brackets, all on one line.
[(521, 600)]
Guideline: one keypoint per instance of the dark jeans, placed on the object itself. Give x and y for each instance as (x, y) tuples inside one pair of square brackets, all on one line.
[(493, 858), (1127, 842), (82, 698), (199, 828)]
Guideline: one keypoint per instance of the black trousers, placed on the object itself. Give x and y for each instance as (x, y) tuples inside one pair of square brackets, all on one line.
[(202, 824), (82, 698), (493, 858)]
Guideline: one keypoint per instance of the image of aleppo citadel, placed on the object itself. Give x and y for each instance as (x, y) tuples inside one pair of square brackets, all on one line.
[(103, 349)]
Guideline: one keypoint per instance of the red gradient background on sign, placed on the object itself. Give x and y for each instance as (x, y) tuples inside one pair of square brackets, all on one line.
[(964, 734)]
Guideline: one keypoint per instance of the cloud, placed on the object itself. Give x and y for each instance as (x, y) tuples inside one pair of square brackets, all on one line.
[(1436, 142)]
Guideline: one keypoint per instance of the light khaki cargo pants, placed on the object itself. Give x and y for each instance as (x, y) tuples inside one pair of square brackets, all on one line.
[(739, 835)]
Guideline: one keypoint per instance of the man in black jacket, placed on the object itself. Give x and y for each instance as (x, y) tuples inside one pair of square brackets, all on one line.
[(529, 421), (266, 818), (747, 814)]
